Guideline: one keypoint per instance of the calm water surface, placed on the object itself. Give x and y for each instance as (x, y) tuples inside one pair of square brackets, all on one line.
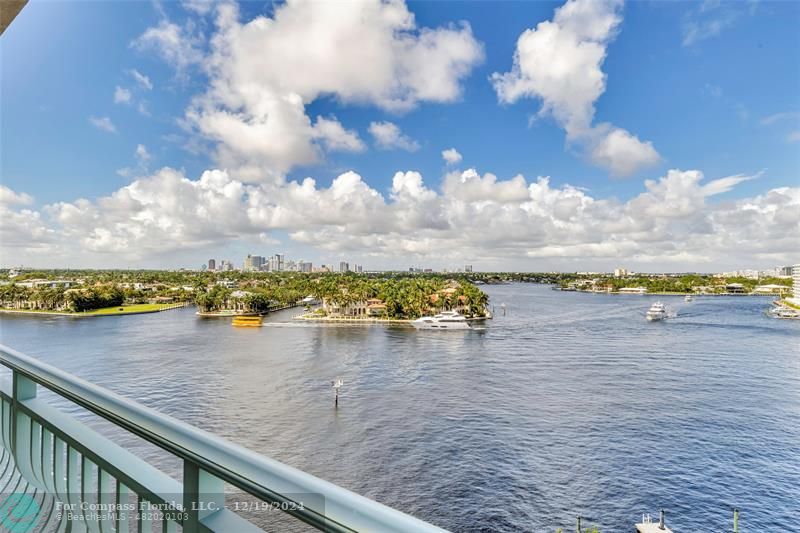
[(570, 404)]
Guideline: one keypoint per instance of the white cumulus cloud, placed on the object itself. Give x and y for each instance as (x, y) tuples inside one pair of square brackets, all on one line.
[(335, 137), (451, 156), (676, 219), (8, 196), (623, 153), (265, 71), (388, 136), (560, 63)]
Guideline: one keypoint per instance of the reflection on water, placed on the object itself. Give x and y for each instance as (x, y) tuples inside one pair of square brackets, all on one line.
[(570, 404)]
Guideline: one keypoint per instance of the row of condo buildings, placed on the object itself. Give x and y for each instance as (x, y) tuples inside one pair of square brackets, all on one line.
[(420, 270), (784, 272), (277, 263), (777, 272)]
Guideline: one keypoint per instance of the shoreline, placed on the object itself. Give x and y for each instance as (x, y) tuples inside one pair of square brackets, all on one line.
[(353, 320), (692, 294), (372, 320), (105, 311), (231, 314)]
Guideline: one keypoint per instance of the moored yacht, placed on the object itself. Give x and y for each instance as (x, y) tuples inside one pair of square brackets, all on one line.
[(657, 311), (443, 320)]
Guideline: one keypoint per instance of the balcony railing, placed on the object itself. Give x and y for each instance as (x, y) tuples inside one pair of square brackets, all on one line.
[(52, 463)]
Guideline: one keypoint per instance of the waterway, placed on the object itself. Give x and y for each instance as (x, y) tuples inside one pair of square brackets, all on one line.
[(567, 404)]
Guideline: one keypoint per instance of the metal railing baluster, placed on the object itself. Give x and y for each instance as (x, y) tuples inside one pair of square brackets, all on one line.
[(145, 522), (203, 494), (121, 518), (36, 453), (105, 499), (48, 474)]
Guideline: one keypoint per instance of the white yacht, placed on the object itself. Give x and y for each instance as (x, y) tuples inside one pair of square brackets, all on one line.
[(688, 298), (657, 311), (444, 320)]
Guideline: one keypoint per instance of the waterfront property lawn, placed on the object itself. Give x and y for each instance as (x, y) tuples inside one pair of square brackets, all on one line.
[(125, 309), (116, 310)]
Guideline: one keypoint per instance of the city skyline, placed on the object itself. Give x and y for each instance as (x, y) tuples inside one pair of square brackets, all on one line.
[(436, 134)]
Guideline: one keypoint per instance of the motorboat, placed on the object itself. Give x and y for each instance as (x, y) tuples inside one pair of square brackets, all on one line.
[(443, 320), (656, 312), (688, 298)]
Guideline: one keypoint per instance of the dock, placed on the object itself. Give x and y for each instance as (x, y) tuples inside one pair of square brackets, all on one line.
[(648, 525), (651, 527)]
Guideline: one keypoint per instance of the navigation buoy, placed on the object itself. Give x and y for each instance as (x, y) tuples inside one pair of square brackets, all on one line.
[(337, 384)]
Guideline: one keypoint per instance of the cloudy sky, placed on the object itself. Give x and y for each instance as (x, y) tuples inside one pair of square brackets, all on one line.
[(659, 136)]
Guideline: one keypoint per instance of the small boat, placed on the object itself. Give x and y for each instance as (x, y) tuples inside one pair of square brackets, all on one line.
[(656, 312), (688, 298), (247, 321), (444, 320), (780, 311)]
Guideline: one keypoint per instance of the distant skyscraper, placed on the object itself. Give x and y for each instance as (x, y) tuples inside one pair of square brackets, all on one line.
[(344, 266), (253, 263), (275, 263), (212, 264), (467, 268), (306, 266)]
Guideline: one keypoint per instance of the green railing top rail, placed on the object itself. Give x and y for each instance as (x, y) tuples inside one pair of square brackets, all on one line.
[(338, 509)]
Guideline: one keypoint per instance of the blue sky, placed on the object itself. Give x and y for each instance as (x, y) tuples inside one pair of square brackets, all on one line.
[(712, 87)]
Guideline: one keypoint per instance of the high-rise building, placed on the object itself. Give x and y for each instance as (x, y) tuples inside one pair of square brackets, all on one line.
[(620, 272), (253, 263), (796, 281), (344, 266), (275, 263), (784, 271), (467, 268), (212, 264), (306, 266)]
